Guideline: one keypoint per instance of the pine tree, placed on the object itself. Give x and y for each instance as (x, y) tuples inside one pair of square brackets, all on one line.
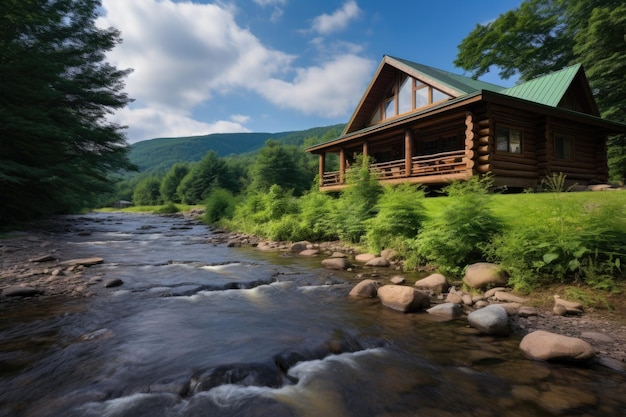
[(56, 91)]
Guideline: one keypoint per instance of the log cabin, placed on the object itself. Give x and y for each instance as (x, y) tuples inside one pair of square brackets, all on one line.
[(419, 124)]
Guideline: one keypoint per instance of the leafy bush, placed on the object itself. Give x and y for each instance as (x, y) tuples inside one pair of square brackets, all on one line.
[(147, 192), (400, 215), (454, 236), (316, 216), (566, 242), (169, 208), (357, 201), (220, 204), (288, 227)]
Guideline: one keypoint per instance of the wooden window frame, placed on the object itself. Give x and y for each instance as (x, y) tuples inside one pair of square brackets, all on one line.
[(566, 138), (508, 142)]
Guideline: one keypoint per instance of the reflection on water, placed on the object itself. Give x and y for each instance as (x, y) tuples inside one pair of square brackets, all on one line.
[(204, 330)]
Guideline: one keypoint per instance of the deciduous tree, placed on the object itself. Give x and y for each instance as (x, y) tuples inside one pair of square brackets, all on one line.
[(542, 36)]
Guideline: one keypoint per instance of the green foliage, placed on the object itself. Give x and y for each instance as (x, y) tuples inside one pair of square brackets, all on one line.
[(147, 192), (316, 216), (565, 242), (454, 236), (542, 36), (400, 215), (171, 181), (211, 172), (219, 205), (169, 208), (283, 165), (56, 145), (357, 201)]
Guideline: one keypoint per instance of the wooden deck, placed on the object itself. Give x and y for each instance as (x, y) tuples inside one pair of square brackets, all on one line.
[(426, 169)]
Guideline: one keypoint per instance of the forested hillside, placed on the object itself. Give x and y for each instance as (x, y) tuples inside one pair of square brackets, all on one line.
[(158, 155)]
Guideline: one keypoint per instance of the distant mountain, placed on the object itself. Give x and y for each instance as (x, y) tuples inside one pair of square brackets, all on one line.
[(158, 155)]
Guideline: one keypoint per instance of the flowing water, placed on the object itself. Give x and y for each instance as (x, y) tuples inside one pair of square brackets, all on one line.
[(199, 329)]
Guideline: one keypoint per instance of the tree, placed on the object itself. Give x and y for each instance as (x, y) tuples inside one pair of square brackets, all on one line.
[(283, 165), (542, 36), (209, 173), (172, 180), (147, 192), (56, 146)]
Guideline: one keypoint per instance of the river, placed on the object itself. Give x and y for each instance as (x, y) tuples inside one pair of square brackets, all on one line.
[(201, 329)]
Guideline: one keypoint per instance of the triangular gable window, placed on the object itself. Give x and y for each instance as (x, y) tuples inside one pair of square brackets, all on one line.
[(406, 94)]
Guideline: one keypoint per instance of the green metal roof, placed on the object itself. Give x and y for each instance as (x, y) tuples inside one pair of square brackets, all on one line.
[(461, 83), (548, 89)]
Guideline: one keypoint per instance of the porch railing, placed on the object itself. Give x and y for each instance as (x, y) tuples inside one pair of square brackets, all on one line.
[(438, 164)]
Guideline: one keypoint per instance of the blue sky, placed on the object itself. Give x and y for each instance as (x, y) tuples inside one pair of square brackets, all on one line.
[(205, 67)]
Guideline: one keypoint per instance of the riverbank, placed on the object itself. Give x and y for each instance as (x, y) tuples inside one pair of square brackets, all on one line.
[(35, 260)]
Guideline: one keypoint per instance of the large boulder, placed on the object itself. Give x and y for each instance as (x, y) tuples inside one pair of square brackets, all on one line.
[(378, 261), (447, 310), (389, 254), (299, 246), (434, 282), (484, 274), (403, 298), (364, 257), (507, 297), (367, 288), (492, 320), (336, 263), (546, 346), (568, 307)]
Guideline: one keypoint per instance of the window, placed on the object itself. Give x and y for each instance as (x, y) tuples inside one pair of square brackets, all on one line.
[(406, 94), (509, 140), (563, 146)]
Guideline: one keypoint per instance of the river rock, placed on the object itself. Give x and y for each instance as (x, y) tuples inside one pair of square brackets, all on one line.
[(364, 257), (449, 310), (336, 263), (21, 292), (83, 262), (367, 288), (507, 297), (378, 261), (397, 279), (598, 337), (389, 254), (543, 345), (403, 298), (484, 274), (299, 246), (491, 292), (44, 258), (467, 299), (434, 282), (492, 320), (112, 282), (526, 311), (454, 297), (338, 255), (559, 399), (309, 252), (571, 307)]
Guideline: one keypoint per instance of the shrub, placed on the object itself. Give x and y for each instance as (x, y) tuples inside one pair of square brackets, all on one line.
[(220, 204), (454, 236), (316, 216), (400, 215), (566, 242), (169, 208), (357, 201)]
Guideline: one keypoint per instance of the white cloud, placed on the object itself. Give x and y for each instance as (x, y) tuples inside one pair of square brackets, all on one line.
[(188, 54), (329, 90), (147, 123), (329, 23)]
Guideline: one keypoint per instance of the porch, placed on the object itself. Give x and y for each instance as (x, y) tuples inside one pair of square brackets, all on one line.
[(438, 168)]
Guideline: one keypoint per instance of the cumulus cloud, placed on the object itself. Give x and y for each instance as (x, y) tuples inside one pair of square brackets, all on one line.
[(154, 123), (188, 54), (337, 21), (328, 90)]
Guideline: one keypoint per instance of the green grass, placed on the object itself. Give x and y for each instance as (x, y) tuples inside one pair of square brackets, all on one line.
[(519, 210)]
